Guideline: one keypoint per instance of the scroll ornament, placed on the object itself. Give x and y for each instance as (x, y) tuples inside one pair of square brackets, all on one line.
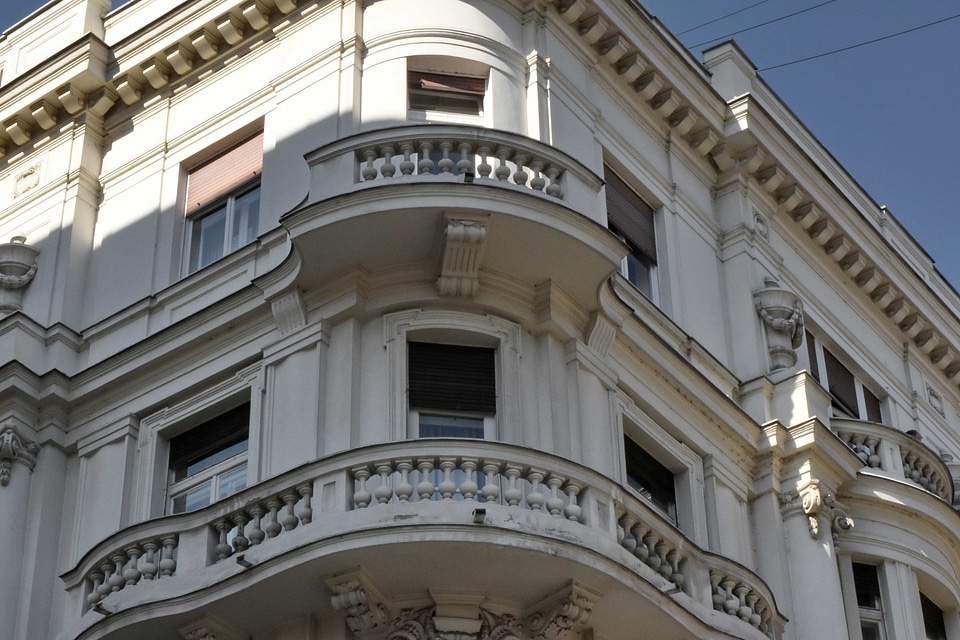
[(14, 448)]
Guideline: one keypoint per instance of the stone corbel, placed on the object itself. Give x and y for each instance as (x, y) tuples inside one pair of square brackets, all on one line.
[(559, 616), (289, 311), (463, 243), (412, 624), (504, 627), (782, 314), (360, 600), (809, 500), (15, 448), (601, 333)]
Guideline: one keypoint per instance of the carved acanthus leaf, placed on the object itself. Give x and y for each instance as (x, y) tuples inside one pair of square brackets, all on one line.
[(15, 448), (558, 616), (359, 599)]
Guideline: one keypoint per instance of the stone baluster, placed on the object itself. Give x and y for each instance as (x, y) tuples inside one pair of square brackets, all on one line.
[(873, 460), (572, 510), (96, 579), (425, 488), (369, 172), (503, 171), (383, 493), (149, 567), (273, 527), (361, 497), (520, 176), (674, 559), (404, 489), (426, 162), (290, 519), (406, 165), (926, 477), (908, 465), (306, 512), (257, 534), (223, 549), (537, 183), (754, 617), (553, 189), (651, 540), (491, 487), (484, 169), (446, 164), (625, 532), (666, 570), (131, 574), (535, 498), (240, 541), (447, 486), (107, 570), (513, 494), (743, 611), (554, 502), (639, 532), (716, 592), (465, 164), (388, 168), (469, 487), (856, 444), (168, 564), (116, 578), (730, 602)]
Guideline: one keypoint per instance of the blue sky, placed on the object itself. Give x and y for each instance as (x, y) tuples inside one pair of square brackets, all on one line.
[(886, 111)]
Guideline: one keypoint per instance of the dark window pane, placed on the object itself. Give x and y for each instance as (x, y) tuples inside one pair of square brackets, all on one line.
[(433, 426), (209, 443), (872, 406), (842, 385), (867, 584), (933, 623), (812, 355), (650, 478)]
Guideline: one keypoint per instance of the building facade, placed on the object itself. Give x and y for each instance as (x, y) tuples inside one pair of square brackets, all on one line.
[(454, 320)]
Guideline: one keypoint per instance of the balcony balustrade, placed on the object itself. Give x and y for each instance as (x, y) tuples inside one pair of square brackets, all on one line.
[(429, 474), (896, 454), (451, 153)]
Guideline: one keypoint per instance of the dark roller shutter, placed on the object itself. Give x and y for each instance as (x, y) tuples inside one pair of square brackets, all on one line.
[(451, 378), (630, 215)]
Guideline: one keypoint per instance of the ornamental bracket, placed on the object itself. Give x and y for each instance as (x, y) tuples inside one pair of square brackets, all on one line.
[(15, 448)]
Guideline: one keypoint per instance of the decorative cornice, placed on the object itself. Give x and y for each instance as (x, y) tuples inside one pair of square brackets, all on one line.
[(15, 448)]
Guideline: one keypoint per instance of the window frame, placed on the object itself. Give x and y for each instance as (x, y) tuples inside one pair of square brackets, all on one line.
[(450, 70), (224, 200), (158, 428), (685, 464), (641, 231), (452, 327), (818, 367), (214, 473)]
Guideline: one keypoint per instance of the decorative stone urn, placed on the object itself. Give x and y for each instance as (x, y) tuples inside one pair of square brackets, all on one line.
[(18, 265), (782, 315)]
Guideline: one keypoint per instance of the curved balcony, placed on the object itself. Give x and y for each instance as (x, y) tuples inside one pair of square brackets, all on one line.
[(384, 200), (427, 511), (893, 453)]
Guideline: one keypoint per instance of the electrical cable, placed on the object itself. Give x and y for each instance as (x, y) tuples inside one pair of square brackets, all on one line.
[(721, 17), (762, 24), (860, 44)]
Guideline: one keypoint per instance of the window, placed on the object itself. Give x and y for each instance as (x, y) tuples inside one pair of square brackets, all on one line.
[(933, 624), (223, 203), (650, 479), (209, 462), (849, 397), (631, 219), (448, 93), (452, 390), (866, 581)]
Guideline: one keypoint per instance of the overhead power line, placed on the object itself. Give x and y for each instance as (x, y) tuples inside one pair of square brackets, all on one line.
[(860, 44), (700, 26), (762, 24)]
